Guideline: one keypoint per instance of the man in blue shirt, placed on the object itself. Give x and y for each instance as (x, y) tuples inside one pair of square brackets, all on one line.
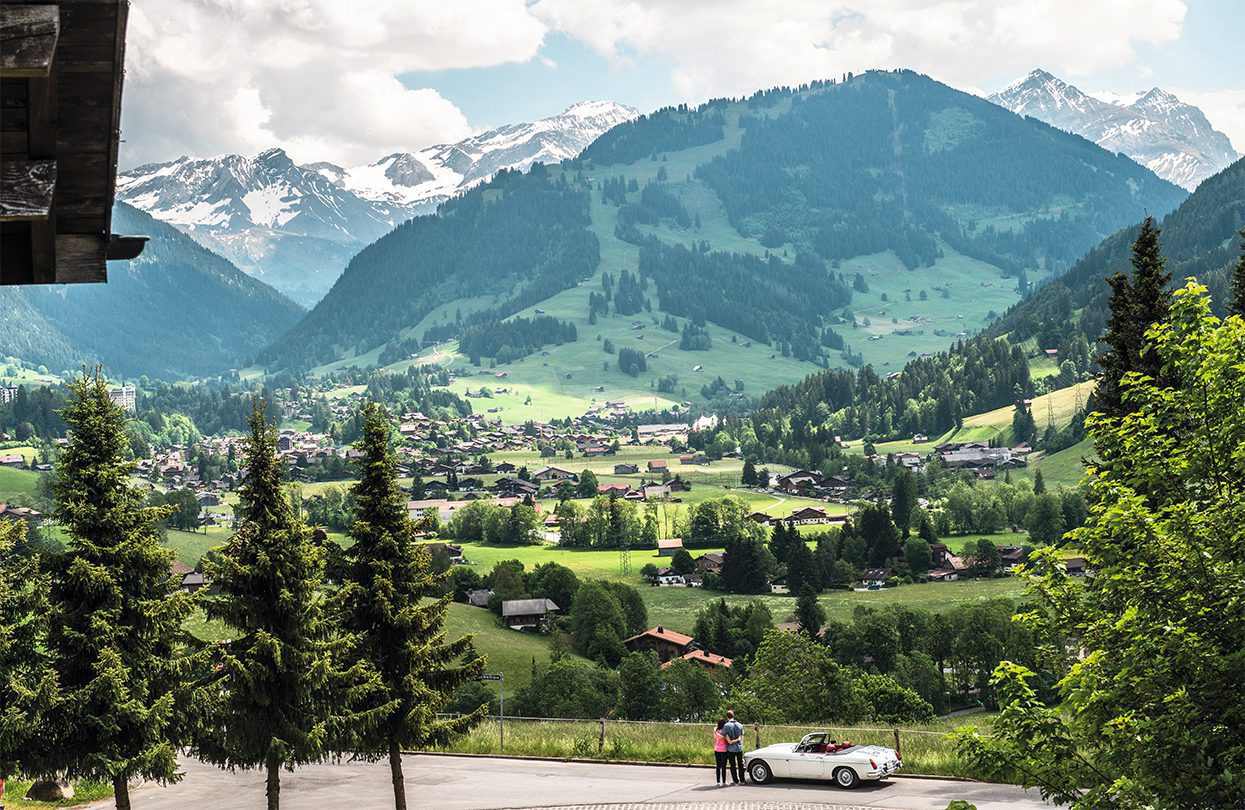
[(734, 733)]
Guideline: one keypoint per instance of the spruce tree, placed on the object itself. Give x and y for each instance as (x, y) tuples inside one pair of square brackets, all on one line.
[(809, 613), (1236, 284), (903, 500), (114, 614), (284, 701), (393, 607), (27, 682), (1136, 304)]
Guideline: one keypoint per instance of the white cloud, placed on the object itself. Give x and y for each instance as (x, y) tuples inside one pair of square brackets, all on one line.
[(731, 47), (318, 77)]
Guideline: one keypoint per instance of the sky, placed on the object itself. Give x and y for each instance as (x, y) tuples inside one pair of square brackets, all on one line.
[(348, 82)]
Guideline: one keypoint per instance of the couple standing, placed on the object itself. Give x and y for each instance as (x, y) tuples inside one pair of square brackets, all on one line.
[(728, 747)]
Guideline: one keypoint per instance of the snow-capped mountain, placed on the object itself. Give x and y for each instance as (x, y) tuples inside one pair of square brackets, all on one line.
[(298, 225), (1171, 138)]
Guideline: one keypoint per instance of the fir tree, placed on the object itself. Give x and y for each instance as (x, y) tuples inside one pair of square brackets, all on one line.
[(27, 682), (903, 500), (1039, 483), (809, 613), (114, 614), (1236, 285), (284, 701), (387, 579), (749, 476), (1136, 304)]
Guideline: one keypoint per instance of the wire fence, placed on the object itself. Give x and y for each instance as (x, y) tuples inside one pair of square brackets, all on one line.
[(927, 750)]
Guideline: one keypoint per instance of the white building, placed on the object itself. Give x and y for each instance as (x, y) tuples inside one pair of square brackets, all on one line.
[(7, 395), (123, 396)]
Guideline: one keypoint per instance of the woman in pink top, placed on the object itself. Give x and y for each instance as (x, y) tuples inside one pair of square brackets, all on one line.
[(719, 752)]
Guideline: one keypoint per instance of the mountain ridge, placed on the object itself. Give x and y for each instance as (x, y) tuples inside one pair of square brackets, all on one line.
[(1158, 130), (296, 226)]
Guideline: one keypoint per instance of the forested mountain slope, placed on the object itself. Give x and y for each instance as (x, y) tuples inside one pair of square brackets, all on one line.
[(178, 310), (1198, 239), (868, 220)]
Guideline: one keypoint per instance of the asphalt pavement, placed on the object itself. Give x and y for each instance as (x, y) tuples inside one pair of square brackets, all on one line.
[(491, 783)]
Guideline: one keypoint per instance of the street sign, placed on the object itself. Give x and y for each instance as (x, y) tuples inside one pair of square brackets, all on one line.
[(501, 707), (490, 677)]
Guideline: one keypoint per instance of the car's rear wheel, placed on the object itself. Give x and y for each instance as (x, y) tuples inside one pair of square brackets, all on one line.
[(760, 772), (846, 778)]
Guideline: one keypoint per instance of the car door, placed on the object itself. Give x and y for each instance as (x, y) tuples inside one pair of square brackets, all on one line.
[(806, 764)]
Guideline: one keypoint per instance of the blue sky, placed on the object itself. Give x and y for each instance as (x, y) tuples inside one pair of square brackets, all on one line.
[(349, 82)]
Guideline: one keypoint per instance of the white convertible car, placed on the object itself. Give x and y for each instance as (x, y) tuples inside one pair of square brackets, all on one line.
[(817, 756)]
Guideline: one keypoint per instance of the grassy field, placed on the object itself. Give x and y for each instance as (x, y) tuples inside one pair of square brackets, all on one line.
[(17, 482), (925, 748), (509, 652), (676, 608), (85, 790), (1067, 467)]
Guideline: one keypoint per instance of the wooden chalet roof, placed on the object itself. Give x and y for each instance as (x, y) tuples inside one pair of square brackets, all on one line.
[(61, 68), (662, 634)]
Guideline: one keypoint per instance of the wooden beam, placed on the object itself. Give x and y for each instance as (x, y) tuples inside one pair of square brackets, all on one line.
[(28, 36), (26, 190), (80, 258)]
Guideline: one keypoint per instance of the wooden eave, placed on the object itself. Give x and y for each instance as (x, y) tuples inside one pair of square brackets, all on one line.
[(61, 77)]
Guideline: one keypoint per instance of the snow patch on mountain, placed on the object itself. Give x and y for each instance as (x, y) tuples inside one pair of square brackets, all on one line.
[(1155, 128), (297, 225)]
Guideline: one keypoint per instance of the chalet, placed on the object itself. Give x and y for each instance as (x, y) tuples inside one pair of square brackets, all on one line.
[(516, 488), (703, 658), (61, 71), (520, 613), (658, 466), (554, 474), (626, 469), (667, 548), (505, 468), (941, 554), (648, 434), (876, 576), (779, 587), (188, 579), (809, 516), (655, 491), (479, 597), (593, 451), (710, 562), (12, 460), (1011, 557), (614, 490), (18, 513), (761, 518), (455, 552), (677, 484), (1075, 566), (666, 643), (944, 575), (208, 499), (668, 577)]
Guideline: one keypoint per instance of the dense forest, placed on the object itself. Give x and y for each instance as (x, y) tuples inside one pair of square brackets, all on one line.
[(520, 238), (1198, 239), (771, 301), (176, 311), (510, 340), (667, 130), (879, 161)]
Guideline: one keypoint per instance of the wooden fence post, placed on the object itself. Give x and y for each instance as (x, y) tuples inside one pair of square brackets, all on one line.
[(897, 744), (757, 728), (601, 739)]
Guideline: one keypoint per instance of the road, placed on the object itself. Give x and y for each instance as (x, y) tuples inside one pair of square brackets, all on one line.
[(480, 783)]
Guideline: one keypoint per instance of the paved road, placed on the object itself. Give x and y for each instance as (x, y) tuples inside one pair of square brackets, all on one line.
[(477, 783)]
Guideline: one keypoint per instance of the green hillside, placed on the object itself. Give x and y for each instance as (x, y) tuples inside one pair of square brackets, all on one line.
[(176, 311), (1198, 239), (757, 239)]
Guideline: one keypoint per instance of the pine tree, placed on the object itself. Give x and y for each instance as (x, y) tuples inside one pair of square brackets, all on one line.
[(386, 581), (1136, 304), (1039, 483), (903, 500), (809, 613), (28, 686), (1236, 285), (114, 614), (284, 700)]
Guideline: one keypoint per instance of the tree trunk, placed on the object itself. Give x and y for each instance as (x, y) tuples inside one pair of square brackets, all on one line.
[(121, 790), (399, 782), (274, 782)]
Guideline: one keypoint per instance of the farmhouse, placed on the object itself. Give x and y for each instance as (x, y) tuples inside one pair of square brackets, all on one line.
[(658, 466), (703, 658), (554, 474), (666, 643), (12, 460), (520, 613), (710, 562), (455, 552), (667, 548), (626, 469), (616, 490), (478, 597)]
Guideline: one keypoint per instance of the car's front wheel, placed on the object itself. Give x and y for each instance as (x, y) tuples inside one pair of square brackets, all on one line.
[(846, 778), (760, 772)]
